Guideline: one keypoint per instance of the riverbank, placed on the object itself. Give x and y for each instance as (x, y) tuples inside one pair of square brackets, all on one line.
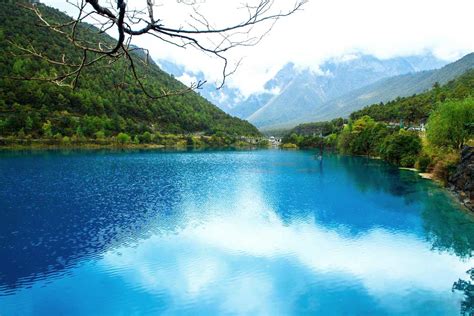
[(424, 175), (460, 183), (170, 141)]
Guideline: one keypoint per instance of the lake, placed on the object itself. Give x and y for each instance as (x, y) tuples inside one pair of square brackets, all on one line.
[(225, 232)]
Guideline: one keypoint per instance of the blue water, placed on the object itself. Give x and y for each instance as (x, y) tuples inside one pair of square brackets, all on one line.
[(231, 232)]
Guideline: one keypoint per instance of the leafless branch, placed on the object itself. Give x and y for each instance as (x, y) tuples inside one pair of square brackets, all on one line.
[(129, 22)]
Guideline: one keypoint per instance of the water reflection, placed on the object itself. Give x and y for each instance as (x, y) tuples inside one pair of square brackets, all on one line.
[(447, 230), (467, 288), (185, 235)]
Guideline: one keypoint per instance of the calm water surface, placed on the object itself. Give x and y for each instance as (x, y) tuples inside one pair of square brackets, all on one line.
[(237, 232)]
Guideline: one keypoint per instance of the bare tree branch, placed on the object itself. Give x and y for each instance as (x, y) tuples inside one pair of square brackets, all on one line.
[(128, 23)]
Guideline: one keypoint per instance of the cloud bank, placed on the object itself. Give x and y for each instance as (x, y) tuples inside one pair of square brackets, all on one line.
[(324, 29)]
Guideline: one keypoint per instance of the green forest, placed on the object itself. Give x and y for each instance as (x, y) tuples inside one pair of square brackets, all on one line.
[(416, 109), (107, 102), (424, 131)]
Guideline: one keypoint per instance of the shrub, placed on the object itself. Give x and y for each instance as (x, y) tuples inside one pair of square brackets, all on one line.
[(399, 145), (450, 125), (123, 138), (444, 165), (289, 146), (66, 140), (99, 135), (423, 162), (146, 138), (47, 129), (21, 134), (408, 161)]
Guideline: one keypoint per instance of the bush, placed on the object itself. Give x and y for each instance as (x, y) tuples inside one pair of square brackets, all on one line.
[(146, 138), (444, 165), (400, 145), (47, 129), (423, 162), (450, 125), (123, 138), (66, 140), (289, 146), (21, 134), (408, 161), (100, 135)]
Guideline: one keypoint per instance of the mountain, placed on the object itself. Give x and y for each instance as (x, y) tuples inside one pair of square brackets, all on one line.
[(107, 99), (417, 108), (302, 91), (390, 89), (225, 98), (411, 110)]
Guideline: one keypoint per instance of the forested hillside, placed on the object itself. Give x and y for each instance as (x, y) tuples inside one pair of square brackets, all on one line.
[(391, 88), (417, 108), (394, 131), (107, 101)]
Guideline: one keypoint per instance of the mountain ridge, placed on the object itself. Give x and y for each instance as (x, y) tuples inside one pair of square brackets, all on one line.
[(107, 101), (305, 89)]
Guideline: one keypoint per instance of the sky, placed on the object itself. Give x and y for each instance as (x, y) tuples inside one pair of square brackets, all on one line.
[(323, 29)]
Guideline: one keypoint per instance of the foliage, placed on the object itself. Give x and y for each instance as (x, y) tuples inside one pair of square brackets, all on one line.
[(362, 137), (401, 148), (467, 288), (319, 128), (107, 99), (289, 146), (449, 110), (314, 135), (423, 163), (451, 124), (417, 108), (445, 163), (123, 138)]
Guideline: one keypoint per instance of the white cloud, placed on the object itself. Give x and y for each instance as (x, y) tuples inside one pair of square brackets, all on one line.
[(187, 79), (325, 29), (211, 260)]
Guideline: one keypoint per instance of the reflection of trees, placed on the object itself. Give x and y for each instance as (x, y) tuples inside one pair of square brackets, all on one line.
[(447, 227), (467, 305)]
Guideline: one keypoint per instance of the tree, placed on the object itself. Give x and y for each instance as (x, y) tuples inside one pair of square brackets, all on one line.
[(123, 138), (141, 18), (450, 125), (401, 148), (29, 124), (47, 129), (362, 137), (146, 137)]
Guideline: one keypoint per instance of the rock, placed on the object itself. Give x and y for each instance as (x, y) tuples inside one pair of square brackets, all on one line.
[(462, 179)]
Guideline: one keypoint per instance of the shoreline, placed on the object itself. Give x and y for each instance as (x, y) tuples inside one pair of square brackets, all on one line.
[(424, 175), (40, 144), (456, 195)]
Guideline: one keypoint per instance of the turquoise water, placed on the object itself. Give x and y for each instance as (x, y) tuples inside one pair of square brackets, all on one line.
[(231, 232)]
